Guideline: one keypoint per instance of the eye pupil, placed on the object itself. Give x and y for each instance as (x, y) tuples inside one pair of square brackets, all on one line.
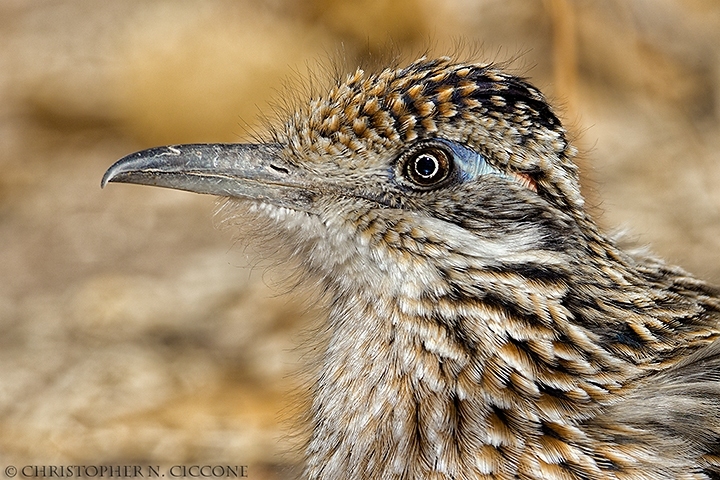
[(427, 166)]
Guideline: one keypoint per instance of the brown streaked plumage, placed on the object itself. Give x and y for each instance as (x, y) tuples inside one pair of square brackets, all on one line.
[(481, 326)]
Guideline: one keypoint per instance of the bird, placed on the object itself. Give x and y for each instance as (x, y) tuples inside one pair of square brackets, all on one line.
[(480, 325)]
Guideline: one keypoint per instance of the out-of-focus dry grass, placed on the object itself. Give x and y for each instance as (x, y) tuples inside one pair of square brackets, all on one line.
[(130, 329)]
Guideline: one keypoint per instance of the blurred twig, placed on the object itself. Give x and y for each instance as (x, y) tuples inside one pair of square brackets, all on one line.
[(562, 14)]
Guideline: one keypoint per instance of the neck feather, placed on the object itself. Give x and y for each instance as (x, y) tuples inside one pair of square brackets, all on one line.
[(413, 389)]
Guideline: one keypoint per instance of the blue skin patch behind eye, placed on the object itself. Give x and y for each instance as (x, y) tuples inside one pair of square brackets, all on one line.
[(471, 164)]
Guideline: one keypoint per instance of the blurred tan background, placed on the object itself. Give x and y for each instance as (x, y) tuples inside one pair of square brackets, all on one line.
[(132, 329)]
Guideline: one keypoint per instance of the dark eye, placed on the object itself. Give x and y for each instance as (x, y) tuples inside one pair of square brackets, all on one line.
[(428, 166)]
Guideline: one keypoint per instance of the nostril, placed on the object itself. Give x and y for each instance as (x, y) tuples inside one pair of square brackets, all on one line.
[(280, 169)]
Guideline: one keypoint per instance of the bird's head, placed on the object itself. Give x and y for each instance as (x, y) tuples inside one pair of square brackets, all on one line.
[(436, 159)]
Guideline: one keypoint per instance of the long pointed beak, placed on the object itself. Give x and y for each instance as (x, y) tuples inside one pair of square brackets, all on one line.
[(248, 171)]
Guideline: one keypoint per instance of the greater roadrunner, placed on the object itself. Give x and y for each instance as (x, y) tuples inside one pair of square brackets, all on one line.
[(480, 324)]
